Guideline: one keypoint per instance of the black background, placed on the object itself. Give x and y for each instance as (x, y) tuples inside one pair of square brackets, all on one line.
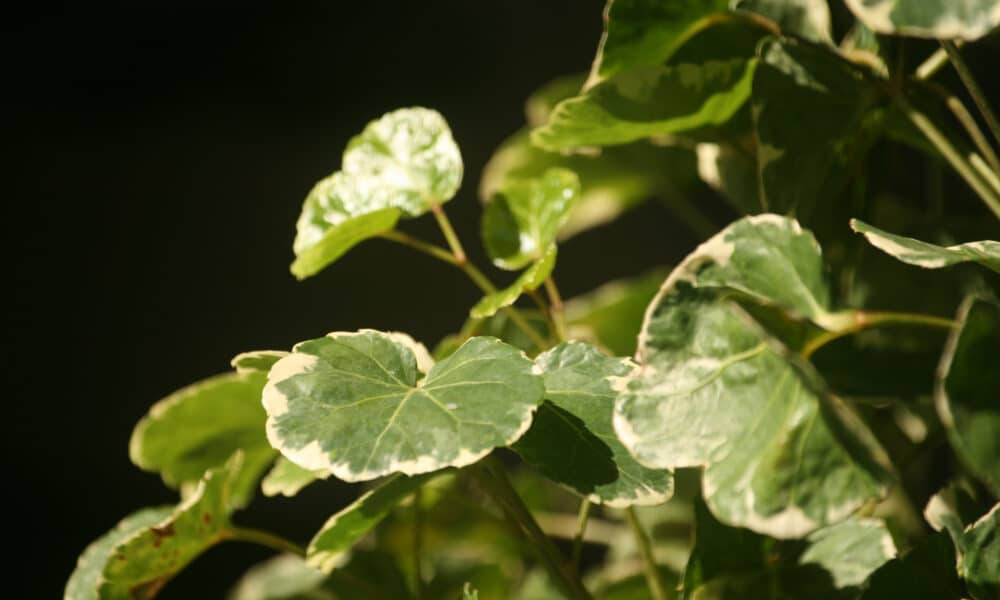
[(160, 155)]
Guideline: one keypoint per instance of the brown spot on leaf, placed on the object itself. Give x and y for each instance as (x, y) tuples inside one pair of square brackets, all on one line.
[(206, 518), (160, 533)]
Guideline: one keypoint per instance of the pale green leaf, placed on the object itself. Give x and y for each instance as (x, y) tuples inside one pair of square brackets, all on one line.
[(968, 388), (782, 456), (980, 564), (809, 19), (930, 256), (328, 547), (802, 161), (611, 315), (400, 165), (351, 404), (284, 577), (850, 550), (639, 33), (468, 593), (572, 440), (543, 101), (926, 572), (142, 563), (86, 579), (287, 478), (941, 19), (257, 360), (200, 426), (532, 277), (648, 102), (522, 220)]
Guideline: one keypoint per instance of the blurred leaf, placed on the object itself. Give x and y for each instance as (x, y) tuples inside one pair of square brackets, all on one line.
[(921, 254), (532, 277), (257, 360), (612, 314), (809, 19), (284, 577), (926, 572), (287, 478), (941, 19)]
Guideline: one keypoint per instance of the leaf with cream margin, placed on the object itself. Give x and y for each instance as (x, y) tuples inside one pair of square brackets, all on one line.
[(939, 19), (200, 426), (929, 256), (980, 564), (649, 102), (528, 281), (803, 162), (640, 33), (351, 404), (143, 563), (968, 387), (809, 19), (782, 456), (520, 223), (287, 478), (256, 360), (328, 547), (572, 440), (401, 165)]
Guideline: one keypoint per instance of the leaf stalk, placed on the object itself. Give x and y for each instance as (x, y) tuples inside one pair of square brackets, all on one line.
[(266, 539), (978, 97), (861, 320), (657, 588)]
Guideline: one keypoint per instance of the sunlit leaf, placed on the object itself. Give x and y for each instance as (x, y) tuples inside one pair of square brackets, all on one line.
[(941, 19), (652, 101), (328, 547), (257, 360), (200, 426), (287, 478), (401, 165), (532, 277), (929, 256), (351, 404), (572, 440), (522, 220), (783, 457)]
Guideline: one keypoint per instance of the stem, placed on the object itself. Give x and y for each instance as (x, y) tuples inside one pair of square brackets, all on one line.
[(932, 65), (418, 543), (556, 308), (495, 483), (988, 195), (449, 233), (420, 245), (582, 518), (264, 538), (862, 320), (974, 90), (969, 123), (653, 580)]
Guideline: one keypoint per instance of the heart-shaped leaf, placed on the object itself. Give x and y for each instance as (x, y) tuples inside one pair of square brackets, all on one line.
[(921, 254), (940, 19), (572, 440), (351, 404)]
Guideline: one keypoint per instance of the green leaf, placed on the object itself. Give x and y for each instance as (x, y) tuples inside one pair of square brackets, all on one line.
[(350, 403), (87, 578), (782, 455), (809, 19), (468, 593), (653, 101), (980, 564), (850, 550), (257, 360), (200, 426), (731, 171), (572, 440), (529, 280), (940, 19), (400, 165), (639, 33), (796, 172), (287, 478), (967, 389), (142, 563), (522, 221), (284, 577), (611, 315), (929, 256), (926, 572), (328, 547), (498, 326)]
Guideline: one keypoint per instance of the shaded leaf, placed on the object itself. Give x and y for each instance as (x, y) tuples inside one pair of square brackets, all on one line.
[(782, 455), (532, 277), (980, 564), (199, 427), (653, 101), (941, 19), (350, 403), (809, 19), (926, 572), (327, 549), (284, 577), (522, 220), (287, 478), (572, 440), (612, 314), (732, 172), (850, 550), (929, 256), (498, 326)]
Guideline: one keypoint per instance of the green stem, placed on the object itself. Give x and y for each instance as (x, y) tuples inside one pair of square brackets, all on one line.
[(972, 128), (420, 245), (556, 309), (449, 233), (582, 518), (988, 195), (974, 90), (932, 65), (495, 483), (861, 320), (418, 543), (264, 538), (656, 587)]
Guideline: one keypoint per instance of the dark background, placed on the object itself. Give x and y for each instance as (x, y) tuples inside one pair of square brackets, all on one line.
[(160, 156)]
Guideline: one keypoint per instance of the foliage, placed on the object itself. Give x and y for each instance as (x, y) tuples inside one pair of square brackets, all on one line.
[(780, 419)]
